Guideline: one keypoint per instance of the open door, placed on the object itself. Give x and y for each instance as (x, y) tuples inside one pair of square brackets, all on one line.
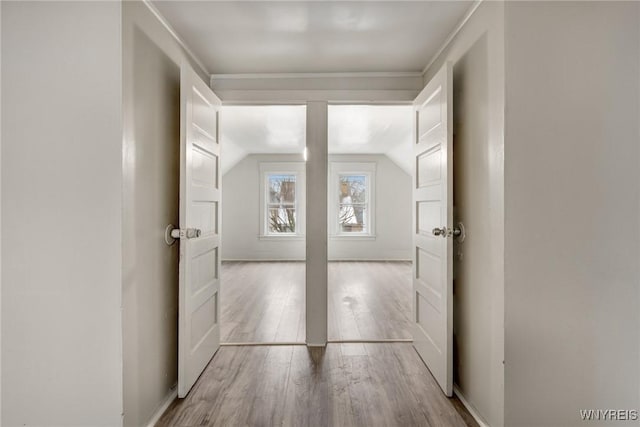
[(199, 283), (433, 228)]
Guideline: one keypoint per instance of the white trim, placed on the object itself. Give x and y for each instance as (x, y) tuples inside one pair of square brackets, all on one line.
[(284, 236), (470, 408), (175, 35), (316, 345), (304, 260), (297, 169), (173, 395), (263, 260), (372, 341), (336, 169), (239, 96), (453, 34), (369, 74), (259, 344), (369, 260), (354, 236)]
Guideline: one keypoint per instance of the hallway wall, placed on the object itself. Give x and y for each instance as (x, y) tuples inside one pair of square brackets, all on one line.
[(472, 258), (572, 210), (477, 53), (241, 217), (151, 70), (61, 213)]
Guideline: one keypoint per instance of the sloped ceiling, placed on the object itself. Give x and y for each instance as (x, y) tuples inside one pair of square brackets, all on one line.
[(361, 129)]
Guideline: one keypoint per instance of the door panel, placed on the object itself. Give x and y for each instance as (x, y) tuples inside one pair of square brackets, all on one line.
[(433, 208), (198, 327)]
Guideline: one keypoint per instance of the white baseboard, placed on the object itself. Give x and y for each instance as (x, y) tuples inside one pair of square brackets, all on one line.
[(173, 394), (260, 344), (481, 422), (303, 260), (368, 260), (261, 260)]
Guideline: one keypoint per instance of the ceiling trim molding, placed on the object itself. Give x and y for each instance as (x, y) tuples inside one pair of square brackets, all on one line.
[(338, 96), (453, 34), (372, 74), (175, 35)]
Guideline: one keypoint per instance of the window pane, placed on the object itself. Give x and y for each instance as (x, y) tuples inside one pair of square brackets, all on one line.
[(353, 218), (282, 188), (352, 215), (281, 220), (353, 189)]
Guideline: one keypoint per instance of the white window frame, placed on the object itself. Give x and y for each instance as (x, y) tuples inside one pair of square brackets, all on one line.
[(285, 168), (336, 169)]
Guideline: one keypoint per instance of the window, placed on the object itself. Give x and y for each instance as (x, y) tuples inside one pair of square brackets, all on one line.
[(352, 203), (281, 203), (351, 211), (282, 200)]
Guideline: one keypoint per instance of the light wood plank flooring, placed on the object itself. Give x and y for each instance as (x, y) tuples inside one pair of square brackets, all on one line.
[(264, 301), (369, 300), (342, 385)]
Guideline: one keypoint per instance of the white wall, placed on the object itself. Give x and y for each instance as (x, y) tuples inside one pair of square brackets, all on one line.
[(241, 217), (477, 53), (392, 215), (0, 216), (472, 258), (151, 70), (241, 214), (61, 213), (572, 210)]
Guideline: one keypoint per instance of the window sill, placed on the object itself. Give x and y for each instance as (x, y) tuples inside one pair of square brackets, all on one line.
[(354, 237), (275, 237)]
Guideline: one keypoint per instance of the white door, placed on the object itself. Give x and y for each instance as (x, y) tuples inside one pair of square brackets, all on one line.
[(433, 227), (199, 283)]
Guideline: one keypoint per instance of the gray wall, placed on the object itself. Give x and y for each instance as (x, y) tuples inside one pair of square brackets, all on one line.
[(240, 214), (472, 258), (572, 210), (151, 70), (61, 213), (477, 53)]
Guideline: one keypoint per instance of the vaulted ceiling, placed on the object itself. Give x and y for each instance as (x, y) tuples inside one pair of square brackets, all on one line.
[(361, 129), (313, 36)]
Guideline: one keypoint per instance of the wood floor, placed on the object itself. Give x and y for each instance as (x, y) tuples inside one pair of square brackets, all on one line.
[(369, 300), (352, 384), (342, 385), (264, 301)]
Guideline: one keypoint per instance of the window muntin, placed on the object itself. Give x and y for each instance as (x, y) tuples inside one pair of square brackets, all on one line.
[(281, 212), (282, 200), (353, 203), (352, 200)]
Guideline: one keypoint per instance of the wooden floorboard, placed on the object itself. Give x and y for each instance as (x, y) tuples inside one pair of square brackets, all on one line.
[(341, 385), (264, 301)]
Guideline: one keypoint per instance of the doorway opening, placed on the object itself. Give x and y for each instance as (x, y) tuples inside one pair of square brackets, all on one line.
[(369, 214), (263, 224)]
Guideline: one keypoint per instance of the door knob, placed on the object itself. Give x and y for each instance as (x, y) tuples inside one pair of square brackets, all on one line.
[(457, 231), (189, 233), (171, 234), (439, 231)]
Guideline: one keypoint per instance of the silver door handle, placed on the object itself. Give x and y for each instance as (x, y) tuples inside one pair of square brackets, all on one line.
[(171, 234), (189, 233), (439, 231), (457, 231)]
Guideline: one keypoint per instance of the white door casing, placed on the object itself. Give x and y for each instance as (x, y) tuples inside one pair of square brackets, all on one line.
[(433, 208), (200, 197)]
